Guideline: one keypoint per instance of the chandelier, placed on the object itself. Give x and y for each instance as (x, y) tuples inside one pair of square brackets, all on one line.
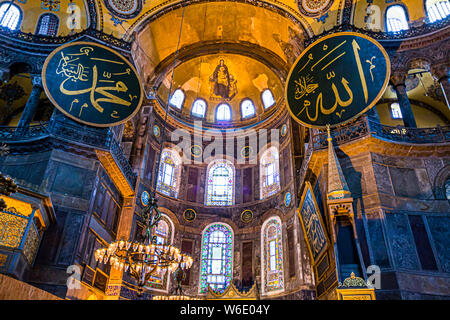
[(145, 258)]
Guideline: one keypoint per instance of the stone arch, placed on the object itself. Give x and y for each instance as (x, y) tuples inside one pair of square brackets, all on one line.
[(439, 183)]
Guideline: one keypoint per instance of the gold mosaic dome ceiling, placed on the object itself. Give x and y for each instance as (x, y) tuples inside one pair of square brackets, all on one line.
[(223, 78), (228, 53)]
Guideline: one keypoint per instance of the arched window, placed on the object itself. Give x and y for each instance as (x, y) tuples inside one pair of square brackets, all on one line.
[(269, 172), (10, 15), (223, 112), (396, 112), (267, 98), (247, 108), (396, 19), (217, 257), (169, 173), (220, 183), (199, 108), (272, 257), (47, 25), (163, 231), (437, 9), (177, 99), (447, 189)]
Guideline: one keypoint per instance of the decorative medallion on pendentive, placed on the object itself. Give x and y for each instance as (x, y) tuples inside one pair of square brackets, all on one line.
[(145, 198), (189, 215), (92, 84), (246, 152), (156, 131), (284, 130), (247, 216), (287, 199), (313, 8), (125, 9), (196, 151)]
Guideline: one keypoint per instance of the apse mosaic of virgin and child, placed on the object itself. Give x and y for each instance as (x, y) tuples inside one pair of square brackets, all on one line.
[(223, 83)]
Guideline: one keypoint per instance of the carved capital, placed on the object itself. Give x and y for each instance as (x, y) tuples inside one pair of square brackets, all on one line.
[(36, 80), (398, 78), (440, 71)]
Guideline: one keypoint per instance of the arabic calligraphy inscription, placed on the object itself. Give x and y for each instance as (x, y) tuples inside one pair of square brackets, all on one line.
[(337, 78), (92, 84)]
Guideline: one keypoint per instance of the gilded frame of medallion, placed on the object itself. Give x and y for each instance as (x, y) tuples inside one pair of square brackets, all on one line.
[(56, 105), (325, 248), (184, 215), (375, 100)]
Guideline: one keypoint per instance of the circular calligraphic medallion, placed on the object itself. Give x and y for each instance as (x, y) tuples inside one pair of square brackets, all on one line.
[(336, 79), (145, 198), (246, 152), (287, 199), (92, 84), (156, 131), (196, 151), (189, 215), (247, 216)]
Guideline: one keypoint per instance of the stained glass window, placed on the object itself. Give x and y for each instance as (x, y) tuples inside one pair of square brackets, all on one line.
[(396, 19), (220, 183), (223, 112), (247, 108), (169, 173), (437, 9), (396, 112), (217, 254), (269, 172), (272, 259), (199, 108), (164, 235), (10, 15), (161, 232), (177, 99), (267, 98), (48, 25)]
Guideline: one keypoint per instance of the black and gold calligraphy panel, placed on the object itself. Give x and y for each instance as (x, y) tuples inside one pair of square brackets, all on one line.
[(92, 84), (336, 79), (312, 224)]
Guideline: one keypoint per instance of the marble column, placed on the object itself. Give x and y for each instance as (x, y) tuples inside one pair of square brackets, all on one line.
[(123, 232), (32, 104), (441, 74), (398, 82)]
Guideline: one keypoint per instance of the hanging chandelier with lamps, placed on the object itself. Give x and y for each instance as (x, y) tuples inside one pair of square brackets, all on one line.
[(146, 258)]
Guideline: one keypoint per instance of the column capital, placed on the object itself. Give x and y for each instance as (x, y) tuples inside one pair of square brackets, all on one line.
[(36, 80), (398, 78), (440, 71)]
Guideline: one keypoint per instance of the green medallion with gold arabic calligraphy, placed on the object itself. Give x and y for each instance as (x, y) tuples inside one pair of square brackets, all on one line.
[(337, 78), (92, 84)]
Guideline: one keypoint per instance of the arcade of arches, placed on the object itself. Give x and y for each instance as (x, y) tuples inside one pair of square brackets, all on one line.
[(218, 69)]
